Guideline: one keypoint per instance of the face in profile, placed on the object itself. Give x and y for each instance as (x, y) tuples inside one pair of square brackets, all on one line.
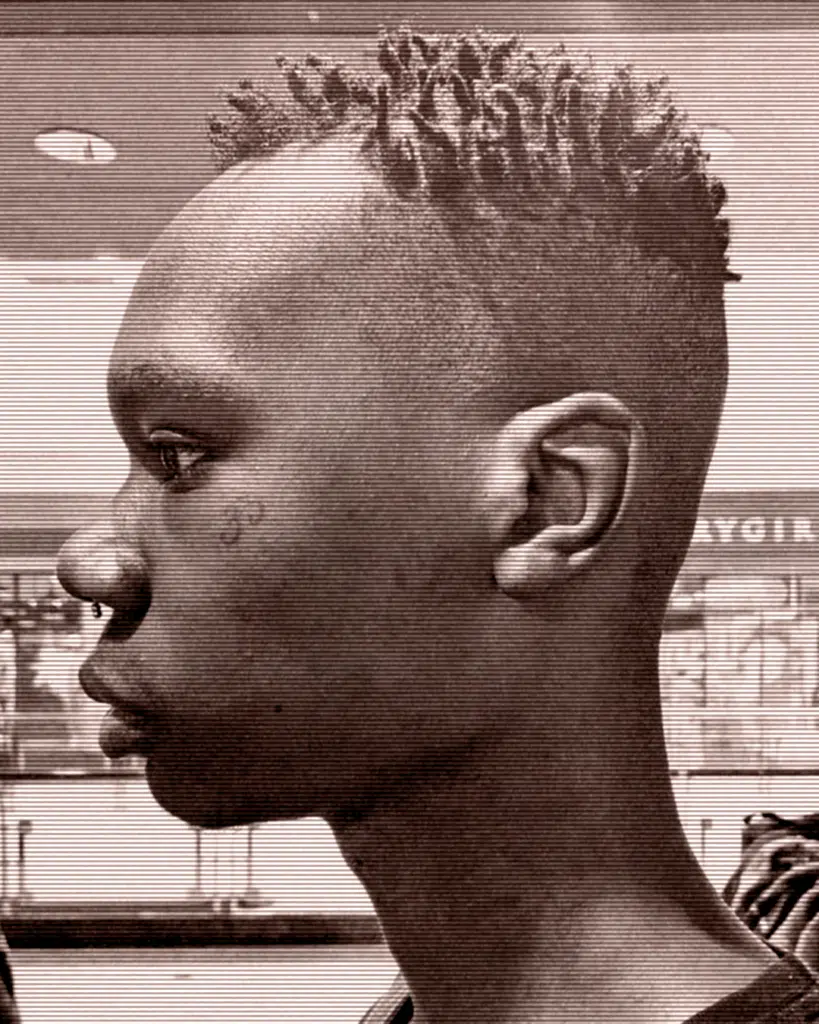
[(296, 577)]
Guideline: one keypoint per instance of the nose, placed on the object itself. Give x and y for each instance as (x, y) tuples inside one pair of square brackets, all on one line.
[(94, 565)]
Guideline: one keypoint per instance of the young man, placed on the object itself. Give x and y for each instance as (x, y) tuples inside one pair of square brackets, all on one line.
[(420, 395)]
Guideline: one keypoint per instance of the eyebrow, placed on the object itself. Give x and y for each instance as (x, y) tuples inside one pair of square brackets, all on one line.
[(166, 379)]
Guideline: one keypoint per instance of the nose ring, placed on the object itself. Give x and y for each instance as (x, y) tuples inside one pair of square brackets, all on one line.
[(96, 609)]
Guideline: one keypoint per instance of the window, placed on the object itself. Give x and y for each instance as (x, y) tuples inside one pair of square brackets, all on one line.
[(46, 721), (740, 680)]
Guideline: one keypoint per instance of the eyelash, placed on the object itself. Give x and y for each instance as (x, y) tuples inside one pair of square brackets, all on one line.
[(168, 457)]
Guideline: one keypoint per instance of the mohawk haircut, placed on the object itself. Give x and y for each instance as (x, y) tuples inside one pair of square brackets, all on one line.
[(474, 119)]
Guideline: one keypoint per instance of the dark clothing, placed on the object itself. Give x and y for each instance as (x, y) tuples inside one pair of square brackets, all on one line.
[(775, 889), (8, 1008), (785, 993)]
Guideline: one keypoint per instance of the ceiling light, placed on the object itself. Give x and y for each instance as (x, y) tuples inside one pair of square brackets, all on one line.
[(75, 147), (716, 141)]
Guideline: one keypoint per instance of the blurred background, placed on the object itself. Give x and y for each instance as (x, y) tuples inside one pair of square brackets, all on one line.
[(102, 140)]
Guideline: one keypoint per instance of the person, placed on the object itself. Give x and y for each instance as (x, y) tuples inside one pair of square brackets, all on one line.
[(773, 889), (420, 393)]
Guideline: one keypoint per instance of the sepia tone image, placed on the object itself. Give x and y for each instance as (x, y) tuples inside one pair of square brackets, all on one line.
[(409, 512)]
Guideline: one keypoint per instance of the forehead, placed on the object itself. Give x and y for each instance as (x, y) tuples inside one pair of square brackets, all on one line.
[(257, 231), (255, 253), (305, 251)]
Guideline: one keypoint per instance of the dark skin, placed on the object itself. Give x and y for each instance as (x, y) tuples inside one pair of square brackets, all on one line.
[(339, 588)]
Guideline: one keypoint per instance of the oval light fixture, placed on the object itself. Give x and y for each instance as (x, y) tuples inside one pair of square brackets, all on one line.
[(716, 141), (75, 147)]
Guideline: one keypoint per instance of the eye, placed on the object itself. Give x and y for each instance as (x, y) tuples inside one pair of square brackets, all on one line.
[(178, 458)]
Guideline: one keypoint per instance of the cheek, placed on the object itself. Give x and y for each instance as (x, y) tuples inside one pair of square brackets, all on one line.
[(237, 523), (315, 556), (240, 566)]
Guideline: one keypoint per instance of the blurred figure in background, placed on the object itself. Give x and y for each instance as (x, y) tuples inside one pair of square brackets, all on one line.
[(775, 889), (420, 395)]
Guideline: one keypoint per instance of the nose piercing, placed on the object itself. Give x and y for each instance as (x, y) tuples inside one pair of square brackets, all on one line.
[(96, 609)]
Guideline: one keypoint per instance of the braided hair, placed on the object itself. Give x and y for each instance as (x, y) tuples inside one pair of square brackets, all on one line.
[(471, 120)]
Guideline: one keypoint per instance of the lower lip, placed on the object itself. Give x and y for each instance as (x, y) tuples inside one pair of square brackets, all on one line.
[(123, 733)]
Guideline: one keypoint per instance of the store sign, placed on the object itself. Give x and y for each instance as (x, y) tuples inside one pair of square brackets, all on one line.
[(746, 531)]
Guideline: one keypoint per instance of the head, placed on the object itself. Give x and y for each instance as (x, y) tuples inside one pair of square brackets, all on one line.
[(420, 394)]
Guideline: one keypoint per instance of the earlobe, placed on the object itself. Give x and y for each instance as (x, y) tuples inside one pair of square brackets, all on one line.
[(601, 446)]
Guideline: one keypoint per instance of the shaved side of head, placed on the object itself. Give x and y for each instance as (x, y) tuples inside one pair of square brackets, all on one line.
[(567, 222)]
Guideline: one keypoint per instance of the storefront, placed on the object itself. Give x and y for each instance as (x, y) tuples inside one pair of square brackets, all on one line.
[(739, 657)]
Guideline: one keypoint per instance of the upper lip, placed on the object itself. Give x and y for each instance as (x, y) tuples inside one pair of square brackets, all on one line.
[(101, 685)]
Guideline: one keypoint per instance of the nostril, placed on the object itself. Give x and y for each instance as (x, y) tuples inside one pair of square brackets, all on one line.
[(133, 602), (132, 594), (121, 625)]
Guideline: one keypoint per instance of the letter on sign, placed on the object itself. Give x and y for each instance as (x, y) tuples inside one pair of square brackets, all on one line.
[(753, 529), (803, 530), (725, 529)]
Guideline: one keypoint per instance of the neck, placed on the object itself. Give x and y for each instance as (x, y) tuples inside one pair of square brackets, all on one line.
[(549, 875)]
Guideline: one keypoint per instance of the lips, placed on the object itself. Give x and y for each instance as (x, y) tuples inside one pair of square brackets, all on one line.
[(123, 733), (127, 728)]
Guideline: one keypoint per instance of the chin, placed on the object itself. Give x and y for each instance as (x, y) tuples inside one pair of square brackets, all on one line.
[(202, 799), (194, 801)]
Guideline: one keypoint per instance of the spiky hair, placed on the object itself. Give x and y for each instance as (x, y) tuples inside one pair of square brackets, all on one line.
[(472, 118)]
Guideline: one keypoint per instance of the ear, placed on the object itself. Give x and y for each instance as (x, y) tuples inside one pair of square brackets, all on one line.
[(563, 477)]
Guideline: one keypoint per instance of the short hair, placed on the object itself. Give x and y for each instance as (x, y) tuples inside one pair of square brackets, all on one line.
[(473, 119), (583, 223)]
